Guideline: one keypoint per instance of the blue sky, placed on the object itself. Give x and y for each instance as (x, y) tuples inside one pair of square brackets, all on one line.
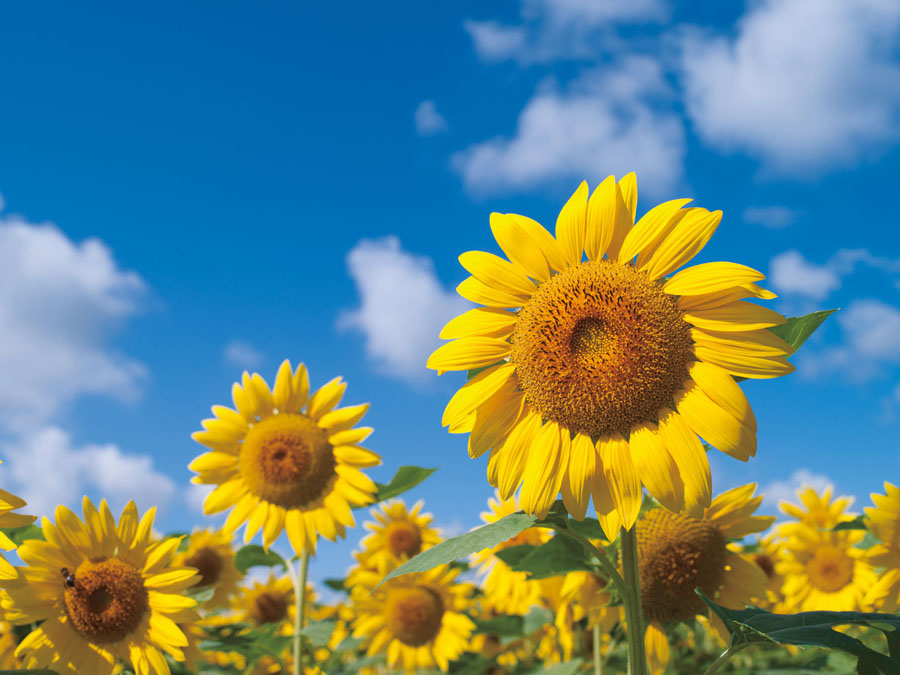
[(194, 189)]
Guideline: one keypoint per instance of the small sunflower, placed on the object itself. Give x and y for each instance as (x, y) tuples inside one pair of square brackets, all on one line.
[(505, 591), (823, 569), (285, 460), (819, 512), (418, 619), (396, 534), (210, 552), (267, 603), (883, 520), (599, 374), (8, 504), (100, 591), (766, 555), (678, 553)]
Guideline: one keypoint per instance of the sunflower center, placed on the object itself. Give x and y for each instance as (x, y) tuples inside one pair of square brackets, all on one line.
[(269, 608), (676, 554), (600, 347), (286, 459), (404, 538), (107, 600), (766, 564), (209, 565), (414, 614), (830, 569)]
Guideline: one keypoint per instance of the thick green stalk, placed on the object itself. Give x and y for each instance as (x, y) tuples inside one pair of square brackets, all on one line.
[(634, 616), (300, 610), (598, 661)]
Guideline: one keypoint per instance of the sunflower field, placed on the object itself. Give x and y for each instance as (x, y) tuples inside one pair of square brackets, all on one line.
[(596, 373)]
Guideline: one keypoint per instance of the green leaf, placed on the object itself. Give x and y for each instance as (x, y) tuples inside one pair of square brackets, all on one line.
[(20, 534), (256, 556), (514, 554), (857, 523), (810, 628), (486, 536), (537, 618), (319, 632), (589, 528), (797, 329), (568, 668), (406, 478), (558, 556), (201, 594), (336, 584), (505, 625)]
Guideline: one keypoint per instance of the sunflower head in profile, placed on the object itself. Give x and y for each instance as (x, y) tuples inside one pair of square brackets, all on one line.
[(598, 370), (286, 460), (506, 591), (822, 568), (678, 553), (417, 619), (9, 503), (101, 591), (883, 520), (397, 534), (211, 554)]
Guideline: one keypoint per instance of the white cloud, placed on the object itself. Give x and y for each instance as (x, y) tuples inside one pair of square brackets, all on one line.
[(494, 41), (786, 490), (804, 86), (48, 469), (60, 302), (790, 272), (242, 355), (607, 122), (403, 306), (772, 217), (195, 495), (428, 120)]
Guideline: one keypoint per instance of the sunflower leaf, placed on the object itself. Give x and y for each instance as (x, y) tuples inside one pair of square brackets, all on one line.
[(558, 556), (256, 556), (406, 478), (568, 668), (857, 523), (486, 536), (336, 584), (20, 534), (515, 554), (319, 632), (797, 329), (505, 625)]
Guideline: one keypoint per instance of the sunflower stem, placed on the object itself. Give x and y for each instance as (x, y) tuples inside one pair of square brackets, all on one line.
[(724, 656), (598, 661), (300, 607), (608, 567), (637, 659)]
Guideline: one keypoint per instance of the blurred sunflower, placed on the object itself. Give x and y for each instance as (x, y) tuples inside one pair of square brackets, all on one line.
[(8, 643), (766, 554), (883, 520), (100, 591), (816, 511), (598, 375), (678, 553), (210, 552), (822, 568), (417, 619), (8, 504), (269, 602), (396, 534), (285, 460), (505, 591)]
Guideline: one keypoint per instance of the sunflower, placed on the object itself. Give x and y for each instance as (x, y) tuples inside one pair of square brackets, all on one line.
[(8, 519), (210, 552), (418, 619), (102, 591), (505, 591), (598, 375), (883, 520), (269, 602), (286, 460), (396, 534), (766, 554), (820, 512), (823, 569), (678, 553), (8, 642)]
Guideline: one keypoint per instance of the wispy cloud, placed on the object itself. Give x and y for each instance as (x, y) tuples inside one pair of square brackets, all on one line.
[(428, 120), (241, 355), (772, 217), (786, 490)]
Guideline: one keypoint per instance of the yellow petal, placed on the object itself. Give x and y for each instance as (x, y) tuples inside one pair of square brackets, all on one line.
[(326, 398), (467, 353), (737, 316), (497, 273), (343, 418), (475, 392), (544, 470), (657, 645), (711, 277), (513, 455), (543, 240), (685, 241), (519, 245), (495, 419), (480, 322), (224, 496), (299, 389), (714, 423), (649, 229), (477, 291), (576, 488), (760, 342), (689, 303), (281, 392), (744, 365), (689, 455), (655, 466), (623, 480), (571, 225), (628, 188)]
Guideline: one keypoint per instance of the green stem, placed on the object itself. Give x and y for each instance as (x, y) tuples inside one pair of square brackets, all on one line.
[(724, 656), (608, 566), (634, 616), (598, 661), (300, 610)]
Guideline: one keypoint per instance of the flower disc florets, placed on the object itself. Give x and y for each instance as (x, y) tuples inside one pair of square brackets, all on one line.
[(413, 614), (105, 599)]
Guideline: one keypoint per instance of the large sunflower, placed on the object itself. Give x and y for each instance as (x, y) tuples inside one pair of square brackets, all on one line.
[(398, 533), (600, 374), (678, 553), (285, 460), (418, 619), (823, 569), (8, 504), (102, 591), (883, 520), (210, 553)]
